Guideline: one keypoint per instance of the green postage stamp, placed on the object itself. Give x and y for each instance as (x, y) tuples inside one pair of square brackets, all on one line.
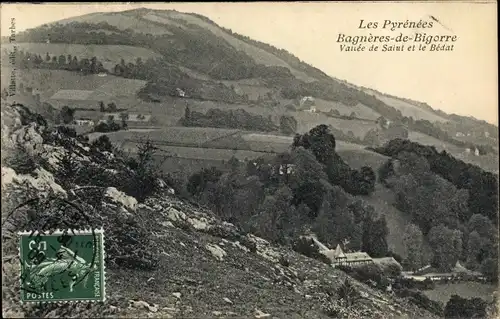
[(62, 266)]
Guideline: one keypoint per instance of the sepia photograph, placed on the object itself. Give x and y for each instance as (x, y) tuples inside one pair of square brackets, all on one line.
[(250, 160)]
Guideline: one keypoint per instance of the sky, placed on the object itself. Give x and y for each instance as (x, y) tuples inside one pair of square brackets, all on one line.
[(463, 81)]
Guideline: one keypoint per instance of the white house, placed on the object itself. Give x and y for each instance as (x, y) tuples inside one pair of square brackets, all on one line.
[(312, 109), (180, 92), (307, 101), (83, 122), (289, 169)]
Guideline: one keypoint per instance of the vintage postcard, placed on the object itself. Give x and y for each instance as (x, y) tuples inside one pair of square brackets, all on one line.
[(250, 159)]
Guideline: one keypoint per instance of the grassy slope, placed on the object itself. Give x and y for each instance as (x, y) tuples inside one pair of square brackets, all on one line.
[(487, 162), (408, 109), (443, 292)]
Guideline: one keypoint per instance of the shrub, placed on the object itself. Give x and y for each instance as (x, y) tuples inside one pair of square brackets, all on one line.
[(103, 143), (107, 127), (422, 301), (348, 293), (284, 261), (306, 247), (458, 307), (143, 182)]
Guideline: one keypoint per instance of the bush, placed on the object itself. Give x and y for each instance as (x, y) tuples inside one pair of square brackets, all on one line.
[(143, 182), (348, 293), (422, 301), (284, 261), (370, 273), (107, 127), (306, 247), (458, 307), (103, 143)]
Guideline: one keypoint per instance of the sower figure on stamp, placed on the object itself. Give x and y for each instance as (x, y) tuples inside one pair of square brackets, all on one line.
[(67, 261)]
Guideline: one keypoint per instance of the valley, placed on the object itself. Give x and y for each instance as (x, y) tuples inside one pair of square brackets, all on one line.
[(255, 138)]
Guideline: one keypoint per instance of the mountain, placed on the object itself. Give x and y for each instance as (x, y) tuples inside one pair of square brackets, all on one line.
[(145, 57), (222, 112), (205, 50)]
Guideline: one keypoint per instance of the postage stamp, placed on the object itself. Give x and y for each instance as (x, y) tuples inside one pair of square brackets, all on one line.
[(62, 266)]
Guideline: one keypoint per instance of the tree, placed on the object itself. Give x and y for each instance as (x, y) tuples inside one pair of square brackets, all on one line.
[(413, 242), (458, 307), (187, 115), (446, 245), (143, 181), (288, 124), (67, 114), (94, 67), (198, 181), (62, 60), (320, 141), (102, 108), (374, 236), (307, 182), (124, 117), (112, 107), (482, 225), (364, 181)]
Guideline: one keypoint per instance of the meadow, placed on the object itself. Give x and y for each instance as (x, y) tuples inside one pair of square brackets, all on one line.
[(361, 110), (408, 109), (443, 292)]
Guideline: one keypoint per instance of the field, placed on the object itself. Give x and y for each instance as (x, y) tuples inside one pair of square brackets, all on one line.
[(109, 55), (360, 110), (187, 136), (443, 292), (307, 121), (408, 109)]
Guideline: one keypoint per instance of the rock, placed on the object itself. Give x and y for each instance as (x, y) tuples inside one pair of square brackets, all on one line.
[(228, 300), (43, 182), (308, 297), (175, 215), (198, 224), (260, 314), (216, 251), (177, 295), (143, 304), (29, 137), (120, 197), (217, 313), (167, 224)]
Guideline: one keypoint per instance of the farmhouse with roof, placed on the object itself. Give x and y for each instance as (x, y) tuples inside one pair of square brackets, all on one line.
[(341, 258)]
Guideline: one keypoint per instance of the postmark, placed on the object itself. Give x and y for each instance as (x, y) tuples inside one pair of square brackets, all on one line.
[(62, 266)]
